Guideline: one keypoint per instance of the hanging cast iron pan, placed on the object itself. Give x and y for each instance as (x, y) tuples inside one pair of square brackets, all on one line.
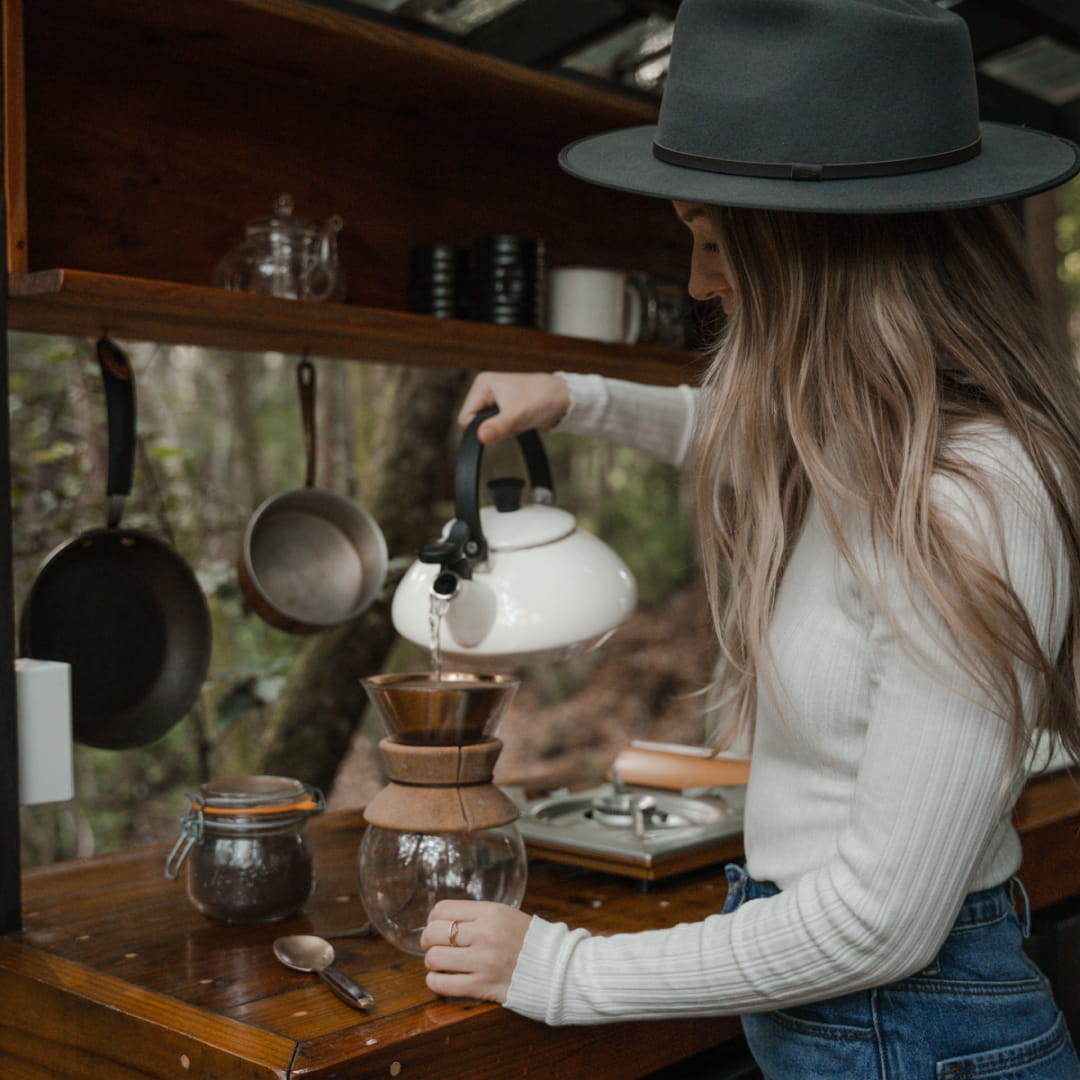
[(120, 606), (310, 559)]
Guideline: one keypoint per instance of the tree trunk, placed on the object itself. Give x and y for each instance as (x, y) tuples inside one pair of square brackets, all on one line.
[(324, 701)]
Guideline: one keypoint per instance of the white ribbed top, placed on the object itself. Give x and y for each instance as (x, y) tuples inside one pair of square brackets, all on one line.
[(880, 792)]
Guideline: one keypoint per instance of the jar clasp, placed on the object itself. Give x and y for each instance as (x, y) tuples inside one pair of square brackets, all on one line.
[(191, 831)]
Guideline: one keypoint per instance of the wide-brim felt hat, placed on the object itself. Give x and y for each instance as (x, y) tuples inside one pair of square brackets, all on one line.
[(830, 106)]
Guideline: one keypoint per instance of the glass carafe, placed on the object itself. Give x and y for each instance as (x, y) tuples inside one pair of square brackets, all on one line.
[(440, 829), (402, 875)]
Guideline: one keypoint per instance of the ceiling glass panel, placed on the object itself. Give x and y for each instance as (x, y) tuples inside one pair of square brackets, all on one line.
[(455, 16), (1046, 68), (636, 56)]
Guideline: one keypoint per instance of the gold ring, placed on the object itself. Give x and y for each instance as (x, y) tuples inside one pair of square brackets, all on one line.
[(453, 932)]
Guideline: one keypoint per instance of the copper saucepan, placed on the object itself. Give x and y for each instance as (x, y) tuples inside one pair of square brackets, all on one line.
[(310, 559)]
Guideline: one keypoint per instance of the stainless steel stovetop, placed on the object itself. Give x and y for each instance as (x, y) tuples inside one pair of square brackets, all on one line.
[(638, 832)]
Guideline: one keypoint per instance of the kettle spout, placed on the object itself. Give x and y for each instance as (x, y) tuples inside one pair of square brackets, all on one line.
[(469, 608), (445, 586)]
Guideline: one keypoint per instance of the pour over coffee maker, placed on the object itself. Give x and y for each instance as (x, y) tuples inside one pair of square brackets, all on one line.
[(440, 829)]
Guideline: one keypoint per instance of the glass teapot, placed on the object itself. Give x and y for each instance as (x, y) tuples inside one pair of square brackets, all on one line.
[(282, 255)]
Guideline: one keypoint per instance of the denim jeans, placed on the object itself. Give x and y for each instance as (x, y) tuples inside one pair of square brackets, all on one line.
[(980, 1011)]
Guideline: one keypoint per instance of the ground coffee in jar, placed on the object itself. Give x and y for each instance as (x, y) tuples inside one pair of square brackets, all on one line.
[(246, 846)]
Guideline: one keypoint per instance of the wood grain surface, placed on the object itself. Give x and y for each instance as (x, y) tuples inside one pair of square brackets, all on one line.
[(81, 303), (154, 130), (115, 973)]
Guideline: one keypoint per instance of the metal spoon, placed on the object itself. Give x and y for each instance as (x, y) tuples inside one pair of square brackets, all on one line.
[(306, 952)]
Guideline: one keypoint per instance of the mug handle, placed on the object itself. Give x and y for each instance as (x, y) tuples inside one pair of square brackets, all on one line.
[(639, 312)]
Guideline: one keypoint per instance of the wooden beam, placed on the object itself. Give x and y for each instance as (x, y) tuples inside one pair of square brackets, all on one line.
[(14, 155), (1009, 105)]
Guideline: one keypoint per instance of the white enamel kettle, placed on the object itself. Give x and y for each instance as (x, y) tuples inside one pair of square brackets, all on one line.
[(512, 584)]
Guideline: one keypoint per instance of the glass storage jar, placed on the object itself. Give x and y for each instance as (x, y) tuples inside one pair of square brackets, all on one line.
[(246, 846)]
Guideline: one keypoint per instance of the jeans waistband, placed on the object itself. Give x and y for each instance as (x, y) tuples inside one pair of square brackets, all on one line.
[(978, 907), (742, 887)]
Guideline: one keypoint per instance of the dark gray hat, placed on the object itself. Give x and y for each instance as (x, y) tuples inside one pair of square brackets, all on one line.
[(835, 106)]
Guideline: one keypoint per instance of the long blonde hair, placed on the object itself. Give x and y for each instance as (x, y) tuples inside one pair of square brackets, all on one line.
[(859, 345)]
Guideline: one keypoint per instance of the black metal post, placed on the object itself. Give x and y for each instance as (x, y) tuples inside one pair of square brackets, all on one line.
[(10, 894)]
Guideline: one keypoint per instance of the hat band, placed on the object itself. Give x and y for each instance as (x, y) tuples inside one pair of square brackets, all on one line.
[(802, 171)]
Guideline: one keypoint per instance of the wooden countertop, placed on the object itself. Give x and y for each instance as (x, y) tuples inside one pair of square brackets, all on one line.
[(116, 974), (115, 970)]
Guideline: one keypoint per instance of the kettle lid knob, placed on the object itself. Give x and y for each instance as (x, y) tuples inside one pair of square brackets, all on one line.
[(506, 493)]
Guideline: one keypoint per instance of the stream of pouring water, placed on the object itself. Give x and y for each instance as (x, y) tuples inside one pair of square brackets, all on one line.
[(436, 611)]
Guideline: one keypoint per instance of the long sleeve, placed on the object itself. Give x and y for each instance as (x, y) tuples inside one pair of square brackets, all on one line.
[(655, 419), (880, 793)]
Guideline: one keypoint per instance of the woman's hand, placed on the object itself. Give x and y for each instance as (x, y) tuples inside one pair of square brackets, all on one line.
[(487, 939), (524, 401)]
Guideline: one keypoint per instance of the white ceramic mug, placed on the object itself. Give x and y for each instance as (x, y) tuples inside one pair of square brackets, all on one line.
[(46, 764), (595, 302)]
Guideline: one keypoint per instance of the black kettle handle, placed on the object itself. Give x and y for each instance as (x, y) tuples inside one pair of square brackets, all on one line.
[(465, 543)]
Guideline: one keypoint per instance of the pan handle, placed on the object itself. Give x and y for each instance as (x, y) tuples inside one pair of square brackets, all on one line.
[(305, 380), (120, 413)]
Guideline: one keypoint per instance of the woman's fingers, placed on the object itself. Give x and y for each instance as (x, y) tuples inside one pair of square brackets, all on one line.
[(444, 914), (480, 395), (471, 948), (524, 401)]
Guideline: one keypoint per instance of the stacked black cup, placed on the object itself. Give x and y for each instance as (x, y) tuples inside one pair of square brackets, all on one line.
[(439, 281), (508, 281), (501, 279)]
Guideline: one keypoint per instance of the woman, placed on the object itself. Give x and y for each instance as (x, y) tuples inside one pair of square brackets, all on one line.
[(887, 455)]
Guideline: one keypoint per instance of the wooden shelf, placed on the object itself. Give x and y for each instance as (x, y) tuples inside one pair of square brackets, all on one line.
[(80, 303)]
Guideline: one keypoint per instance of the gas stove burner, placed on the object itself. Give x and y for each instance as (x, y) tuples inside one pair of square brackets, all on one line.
[(640, 833), (619, 810)]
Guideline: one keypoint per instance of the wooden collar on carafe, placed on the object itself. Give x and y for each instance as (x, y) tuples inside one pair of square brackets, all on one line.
[(440, 789)]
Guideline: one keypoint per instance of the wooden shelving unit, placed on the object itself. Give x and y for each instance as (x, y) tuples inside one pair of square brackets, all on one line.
[(142, 134)]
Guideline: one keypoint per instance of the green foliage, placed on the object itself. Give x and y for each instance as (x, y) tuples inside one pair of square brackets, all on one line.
[(636, 504), (218, 434), (1068, 239)]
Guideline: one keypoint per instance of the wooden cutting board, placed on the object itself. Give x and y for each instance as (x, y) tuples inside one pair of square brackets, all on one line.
[(678, 768)]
